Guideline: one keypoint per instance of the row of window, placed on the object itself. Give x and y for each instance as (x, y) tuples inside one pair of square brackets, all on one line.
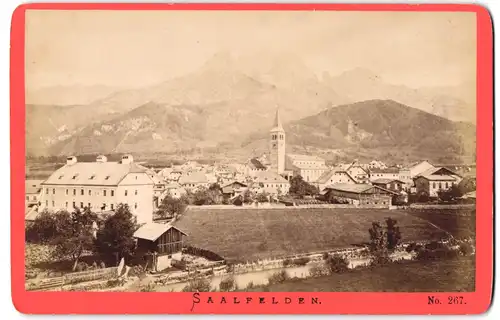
[(92, 177), (440, 185), (82, 192), (275, 137), (104, 206)]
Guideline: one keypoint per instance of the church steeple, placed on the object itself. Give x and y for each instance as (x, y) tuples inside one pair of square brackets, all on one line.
[(277, 119)]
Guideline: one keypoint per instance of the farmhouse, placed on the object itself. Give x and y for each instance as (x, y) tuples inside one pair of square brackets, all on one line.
[(194, 180), (163, 241), (233, 188), (389, 184), (271, 182), (334, 176), (360, 194), (100, 186), (33, 189)]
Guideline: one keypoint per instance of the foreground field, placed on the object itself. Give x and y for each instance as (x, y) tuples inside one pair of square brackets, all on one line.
[(262, 233), (457, 275)]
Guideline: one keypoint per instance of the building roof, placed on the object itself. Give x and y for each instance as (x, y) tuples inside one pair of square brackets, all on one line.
[(33, 186), (328, 174), (229, 184), (93, 173), (385, 181), (255, 163), (269, 176), (277, 126), (304, 157), (435, 177), (152, 231), (356, 188), (391, 170), (435, 171), (194, 177)]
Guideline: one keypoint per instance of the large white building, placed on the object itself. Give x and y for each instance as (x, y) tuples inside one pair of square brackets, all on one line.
[(100, 186)]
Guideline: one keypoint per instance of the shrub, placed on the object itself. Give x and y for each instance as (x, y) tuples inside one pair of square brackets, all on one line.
[(337, 264), (81, 266), (411, 247), (200, 284), (227, 284), (301, 261), (136, 271), (318, 270), (278, 277), (149, 288), (287, 262), (325, 256), (466, 249), (437, 254), (181, 265), (380, 258), (250, 285)]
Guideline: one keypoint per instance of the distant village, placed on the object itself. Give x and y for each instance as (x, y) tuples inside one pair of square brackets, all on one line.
[(269, 179)]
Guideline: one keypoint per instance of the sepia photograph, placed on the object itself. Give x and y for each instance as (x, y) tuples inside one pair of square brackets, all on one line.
[(250, 151)]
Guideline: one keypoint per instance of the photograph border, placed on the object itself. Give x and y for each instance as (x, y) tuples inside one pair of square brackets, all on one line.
[(329, 302)]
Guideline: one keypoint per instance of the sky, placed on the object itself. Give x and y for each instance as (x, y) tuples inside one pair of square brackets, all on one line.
[(141, 48)]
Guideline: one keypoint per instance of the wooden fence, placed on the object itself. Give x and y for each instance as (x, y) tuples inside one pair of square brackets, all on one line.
[(72, 278)]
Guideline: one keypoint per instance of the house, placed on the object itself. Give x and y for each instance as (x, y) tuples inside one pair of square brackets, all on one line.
[(420, 167), (391, 173), (100, 186), (309, 167), (358, 173), (334, 176), (405, 177), (32, 189), (271, 182), (194, 180), (434, 180), (253, 166), (389, 184), (375, 164), (233, 188), (360, 194), (164, 240)]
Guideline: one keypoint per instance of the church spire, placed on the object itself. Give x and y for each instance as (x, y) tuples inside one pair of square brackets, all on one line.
[(277, 120)]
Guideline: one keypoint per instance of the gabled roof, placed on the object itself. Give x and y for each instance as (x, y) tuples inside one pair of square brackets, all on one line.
[(93, 173), (269, 177), (33, 186), (433, 177), (229, 184), (385, 181), (435, 171), (255, 163), (152, 231), (356, 188)]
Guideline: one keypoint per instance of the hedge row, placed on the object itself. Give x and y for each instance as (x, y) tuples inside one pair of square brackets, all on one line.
[(207, 254)]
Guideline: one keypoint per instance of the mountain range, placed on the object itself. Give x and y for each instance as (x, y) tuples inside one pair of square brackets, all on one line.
[(230, 103)]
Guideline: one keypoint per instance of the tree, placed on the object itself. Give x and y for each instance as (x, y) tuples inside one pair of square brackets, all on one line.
[(73, 234), (248, 196), (116, 237), (171, 206), (43, 229), (382, 242), (301, 188), (453, 193), (262, 197)]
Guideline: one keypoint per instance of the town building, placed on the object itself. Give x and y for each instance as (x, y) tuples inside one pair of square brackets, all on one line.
[(309, 167), (434, 180), (420, 167), (100, 186), (271, 182), (277, 146), (33, 190), (233, 188), (253, 166), (389, 184), (337, 175), (363, 195), (194, 180), (391, 173)]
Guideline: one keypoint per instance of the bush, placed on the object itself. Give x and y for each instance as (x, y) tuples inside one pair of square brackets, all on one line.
[(318, 271), (227, 284), (278, 277), (379, 259), (81, 266), (466, 249), (250, 285), (149, 288), (201, 285), (411, 247), (301, 261), (181, 265), (437, 254), (337, 264), (326, 256), (287, 262)]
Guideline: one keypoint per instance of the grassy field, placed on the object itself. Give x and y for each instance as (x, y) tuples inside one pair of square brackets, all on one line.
[(460, 223), (261, 233), (457, 275)]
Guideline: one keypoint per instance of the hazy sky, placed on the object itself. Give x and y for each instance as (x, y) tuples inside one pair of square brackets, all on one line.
[(136, 48)]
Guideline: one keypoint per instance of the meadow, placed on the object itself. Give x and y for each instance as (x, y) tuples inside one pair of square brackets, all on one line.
[(246, 235)]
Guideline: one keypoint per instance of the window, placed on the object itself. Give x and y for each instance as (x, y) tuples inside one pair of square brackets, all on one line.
[(103, 206), (90, 205), (446, 185), (440, 186), (135, 192), (53, 203), (434, 185), (82, 192), (126, 193), (46, 203), (112, 207), (135, 205), (47, 191), (74, 192), (74, 177), (112, 193), (66, 204), (107, 178), (28, 198), (67, 191), (53, 191), (104, 192), (92, 177), (81, 205), (90, 192), (60, 177), (74, 204)]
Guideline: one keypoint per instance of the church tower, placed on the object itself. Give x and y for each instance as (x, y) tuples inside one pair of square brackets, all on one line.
[(277, 145)]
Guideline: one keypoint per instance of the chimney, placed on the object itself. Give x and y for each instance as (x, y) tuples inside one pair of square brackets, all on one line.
[(101, 159), (127, 159), (71, 160)]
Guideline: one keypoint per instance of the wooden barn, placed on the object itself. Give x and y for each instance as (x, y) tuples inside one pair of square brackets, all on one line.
[(162, 242), (366, 195)]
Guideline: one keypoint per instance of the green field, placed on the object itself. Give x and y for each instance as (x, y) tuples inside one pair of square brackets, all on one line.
[(457, 275), (248, 234)]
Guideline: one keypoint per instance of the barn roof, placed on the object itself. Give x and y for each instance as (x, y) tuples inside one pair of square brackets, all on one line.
[(152, 231), (385, 181), (356, 188)]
